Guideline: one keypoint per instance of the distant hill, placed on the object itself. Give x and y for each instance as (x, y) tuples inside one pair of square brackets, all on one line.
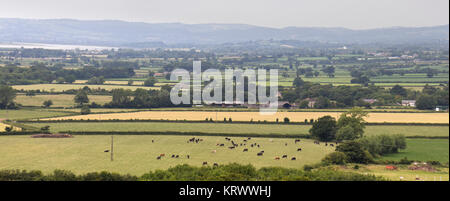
[(137, 34)]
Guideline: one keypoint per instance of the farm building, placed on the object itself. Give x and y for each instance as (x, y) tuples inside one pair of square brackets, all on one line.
[(409, 103)]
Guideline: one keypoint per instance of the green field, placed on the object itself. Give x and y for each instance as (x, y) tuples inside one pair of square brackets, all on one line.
[(234, 128), (423, 150), (137, 154), (65, 87), (30, 114), (59, 100)]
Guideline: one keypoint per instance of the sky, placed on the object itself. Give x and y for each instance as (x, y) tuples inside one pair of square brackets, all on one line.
[(353, 14)]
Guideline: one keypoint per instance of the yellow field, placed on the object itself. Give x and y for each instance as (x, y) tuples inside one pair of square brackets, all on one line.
[(64, 87), (60, 100), (256, 116), (2, 127)]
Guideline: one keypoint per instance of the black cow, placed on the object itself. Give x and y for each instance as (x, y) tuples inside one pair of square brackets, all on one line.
[(293, 158), (158, 158), (299, 149), (216, 165), (205, 163), (245, 150), (284, 156), (259, 154), (106, 151), (297, 141)]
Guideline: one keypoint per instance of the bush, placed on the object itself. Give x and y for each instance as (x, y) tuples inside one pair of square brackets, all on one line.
[(337, 158), (355, 152), (85, 110), (383, 144)]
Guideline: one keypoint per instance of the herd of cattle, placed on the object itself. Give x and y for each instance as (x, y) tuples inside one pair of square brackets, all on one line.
[(233, 146)]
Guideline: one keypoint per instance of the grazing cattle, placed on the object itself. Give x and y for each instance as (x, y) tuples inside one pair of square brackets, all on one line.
[(162, 155), (277, 158), (297, 141), (153, 141), (299, 149), (177, 156), (285, 144), (245, 140), (251, 145), (205, 163), (158, 158), (222, 145), (245, 150), (106, 151), (332, 145), (262, 151), (259, 154), (216, 165), (257, 145), (326, 144), (173, 156), (249, 138), (293, 158), (230, 147), (284, 156), (188, 157)]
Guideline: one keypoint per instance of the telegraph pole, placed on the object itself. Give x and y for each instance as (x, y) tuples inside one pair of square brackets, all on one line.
[(112, 147)]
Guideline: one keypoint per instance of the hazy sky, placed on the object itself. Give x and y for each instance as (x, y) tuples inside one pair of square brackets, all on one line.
[(355, 14)]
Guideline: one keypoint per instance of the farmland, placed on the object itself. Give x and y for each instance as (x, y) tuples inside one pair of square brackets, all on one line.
[(423, 150), (65, 87), (255, 116), (235, 128), (59, 100), (82, 154), (30, 114)]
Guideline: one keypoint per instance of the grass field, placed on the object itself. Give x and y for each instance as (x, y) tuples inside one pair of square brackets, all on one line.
[(137, 154), (423, 150), (60, 100), (29, 114), (65, 87), (403, 171), (256, 116), (280, 129)]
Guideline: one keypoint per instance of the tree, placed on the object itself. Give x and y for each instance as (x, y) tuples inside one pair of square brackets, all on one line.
[(151, 81), (351, 124), (7, 96), (355, 152), (398, 90), (426, 102), (121, 98), (47, 103), (85, 110), (70, 79), (324, 128), (81, 97), (9, 128), (322, 102), (298, 82)]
